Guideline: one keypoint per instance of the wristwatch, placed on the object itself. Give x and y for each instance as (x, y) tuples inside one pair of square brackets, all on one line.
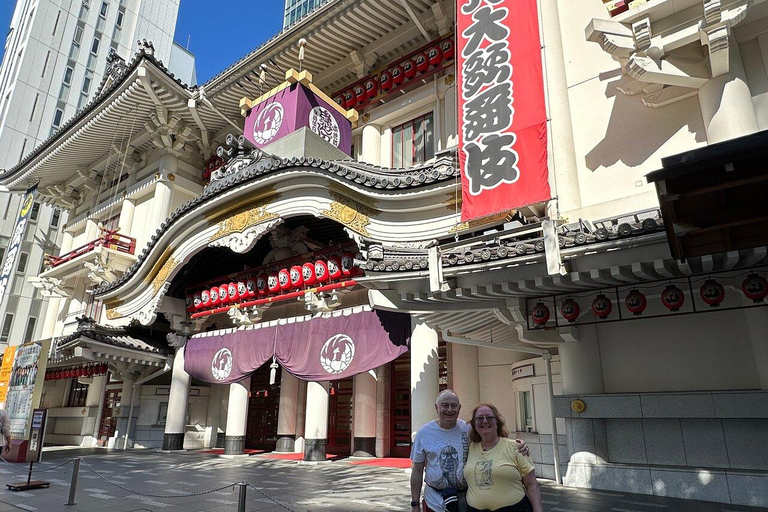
[(414, 504)]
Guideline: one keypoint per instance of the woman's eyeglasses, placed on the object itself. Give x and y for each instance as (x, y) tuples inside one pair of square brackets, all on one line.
[(488, 419)]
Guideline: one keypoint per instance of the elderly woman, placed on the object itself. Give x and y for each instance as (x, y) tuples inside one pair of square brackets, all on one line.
[(499, 478)]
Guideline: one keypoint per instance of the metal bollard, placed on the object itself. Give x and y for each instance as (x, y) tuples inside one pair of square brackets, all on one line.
[(241, 497), (73, 483)]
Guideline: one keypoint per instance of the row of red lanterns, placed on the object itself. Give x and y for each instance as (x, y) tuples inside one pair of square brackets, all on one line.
[(295, 277), (755, 288), (71, 372), (366, 91)]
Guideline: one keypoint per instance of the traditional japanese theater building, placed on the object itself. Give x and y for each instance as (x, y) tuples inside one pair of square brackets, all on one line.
[(289, 257)]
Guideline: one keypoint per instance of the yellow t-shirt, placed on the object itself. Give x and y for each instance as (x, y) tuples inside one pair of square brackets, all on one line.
[(495, 477)]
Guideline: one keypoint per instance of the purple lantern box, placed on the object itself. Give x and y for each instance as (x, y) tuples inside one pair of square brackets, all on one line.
[(292, 108)]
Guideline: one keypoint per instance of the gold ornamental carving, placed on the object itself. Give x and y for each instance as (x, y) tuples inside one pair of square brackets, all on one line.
[(163, 274), (484, 221), (449, 79), (113, 314), (353, 215), (239, 222)]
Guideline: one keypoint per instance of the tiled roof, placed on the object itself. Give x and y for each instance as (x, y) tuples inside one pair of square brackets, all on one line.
[(127, 337)]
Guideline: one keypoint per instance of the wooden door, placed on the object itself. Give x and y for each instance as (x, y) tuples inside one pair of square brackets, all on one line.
[(108, 423), (400, 423), (263, 408), (340, 417)]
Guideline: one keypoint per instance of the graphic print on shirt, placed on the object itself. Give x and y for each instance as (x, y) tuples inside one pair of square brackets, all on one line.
[(484, 474), (450, 469)]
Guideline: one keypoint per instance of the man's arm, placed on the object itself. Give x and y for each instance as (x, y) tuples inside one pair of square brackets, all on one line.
[(522, 448), (417, 477)]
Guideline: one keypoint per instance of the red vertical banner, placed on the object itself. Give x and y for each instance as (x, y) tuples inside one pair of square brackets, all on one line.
[(503, 116)]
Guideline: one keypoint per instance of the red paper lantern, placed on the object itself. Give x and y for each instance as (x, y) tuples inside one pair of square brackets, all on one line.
[(349, 99), (340, 100), (284, 277), (81, 372), (385, 80), (672, 297), (570, 309), (422, 62), (233, 293), (297, 278), (347, 263), (103, 369), (242, 288), (250, 286), (273, 283), (447, 48), (334, 267), (636, 302), (262, 284), (360, 94), (540, 313), (397, 76), (205, 296), (56, 375), (308, 273), (198, 299), (371, 89), (602, 306), (712, 293), (409, 69), (321, 271), (435, 56), (755, 287), (223, 293)]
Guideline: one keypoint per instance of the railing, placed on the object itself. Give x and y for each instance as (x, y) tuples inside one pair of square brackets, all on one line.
[(110, 239)]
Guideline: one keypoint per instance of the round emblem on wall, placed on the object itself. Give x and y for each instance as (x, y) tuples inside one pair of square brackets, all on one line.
[(268, 123), (337, 353), (322, 122), (221, 364), (578, 406)]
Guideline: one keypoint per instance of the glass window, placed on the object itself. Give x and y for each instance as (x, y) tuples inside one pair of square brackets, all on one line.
[(103, 9), (6, 328), (68, 75), (55, 217), (57, 118), (413, 142), (119, 21), (45, 64), (86, 84), (56, 23), (34, 107), (77, 394), (22, 266), (162, 413), (35, 213), (526, 411), (95, 45), (29, 333), (78, 35)]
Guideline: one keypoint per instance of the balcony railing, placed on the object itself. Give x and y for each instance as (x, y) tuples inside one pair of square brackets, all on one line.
[(110, 239)]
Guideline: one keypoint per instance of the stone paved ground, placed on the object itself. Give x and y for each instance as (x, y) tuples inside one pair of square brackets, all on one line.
[(331, 487)]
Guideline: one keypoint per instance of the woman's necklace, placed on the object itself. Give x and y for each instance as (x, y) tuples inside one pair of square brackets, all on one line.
[(492, 446)]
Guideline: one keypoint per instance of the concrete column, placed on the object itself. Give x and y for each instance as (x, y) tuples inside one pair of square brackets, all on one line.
[(101, 384), (451, 118), (92, 231), (465, 376), (383, 409), (125, 409), (213, 420), (94, 391), (126, 216), (424, 374), (562, 150), (580, 364), (237, 418), (286, 417), (757, 325), (364, 415), (726, 101), (316, 423), (175, 422), (51, 315), (220, 439), (161, 202), (371, 151), (67, 240)]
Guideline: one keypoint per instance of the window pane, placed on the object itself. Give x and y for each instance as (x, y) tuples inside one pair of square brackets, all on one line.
[(397, 147), (418, 140), (429, 139), (6, 327), (22, 266), (30, 332), (35, 213), (408, 145)]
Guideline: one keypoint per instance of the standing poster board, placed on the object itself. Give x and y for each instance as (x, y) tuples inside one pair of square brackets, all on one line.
[(25, 386), (6, 368)]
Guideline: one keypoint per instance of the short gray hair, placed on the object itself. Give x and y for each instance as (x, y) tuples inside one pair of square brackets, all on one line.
[(447, 392)]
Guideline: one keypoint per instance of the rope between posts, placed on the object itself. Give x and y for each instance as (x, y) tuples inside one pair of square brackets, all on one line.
[(161, 495)]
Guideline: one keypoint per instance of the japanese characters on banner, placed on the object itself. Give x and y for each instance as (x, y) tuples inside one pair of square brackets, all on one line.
[(14, 247), (503, 117)]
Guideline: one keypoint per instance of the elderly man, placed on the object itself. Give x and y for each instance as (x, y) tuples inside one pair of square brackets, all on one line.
[(440, 448)]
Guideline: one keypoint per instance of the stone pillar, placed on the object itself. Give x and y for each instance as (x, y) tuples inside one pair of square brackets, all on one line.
[(92, 231), (126, 216), (371, 151), (221, 438), (757, 326), (383, 409), (561, 130), (424, 374), (465, 376), (237, 418), (364, 415), (451, 118), (213, 419), (301, 417), (580, 364), (286, 417), (175, 422), (67, 240), (726, 101), (161, 202), (316, 424), (125, 409)]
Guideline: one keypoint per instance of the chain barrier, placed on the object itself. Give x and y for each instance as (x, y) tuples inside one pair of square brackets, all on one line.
[(270, 498), (17, 469)]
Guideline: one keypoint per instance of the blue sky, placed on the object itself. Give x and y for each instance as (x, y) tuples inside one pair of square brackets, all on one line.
[(218, 36)]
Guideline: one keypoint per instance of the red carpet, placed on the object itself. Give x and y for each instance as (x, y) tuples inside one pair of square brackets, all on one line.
[(297, 456), (220, 451), (388, 462)]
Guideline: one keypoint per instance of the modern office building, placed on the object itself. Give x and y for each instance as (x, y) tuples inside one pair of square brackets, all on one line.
[(295, 10), (56, 54)]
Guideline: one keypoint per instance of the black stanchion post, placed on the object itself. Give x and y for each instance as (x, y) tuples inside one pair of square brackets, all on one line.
[(73, 484), (241, 498)]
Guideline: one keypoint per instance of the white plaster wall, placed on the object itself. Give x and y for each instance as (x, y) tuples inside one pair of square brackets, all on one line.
[(686, 353), (496, 379), (141, 219)]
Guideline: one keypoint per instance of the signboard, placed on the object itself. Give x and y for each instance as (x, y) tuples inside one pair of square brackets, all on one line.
[(522, 371), (37, 435), (14, 247), (503, 115), (293, 108), (6, 368), (25, 386)]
